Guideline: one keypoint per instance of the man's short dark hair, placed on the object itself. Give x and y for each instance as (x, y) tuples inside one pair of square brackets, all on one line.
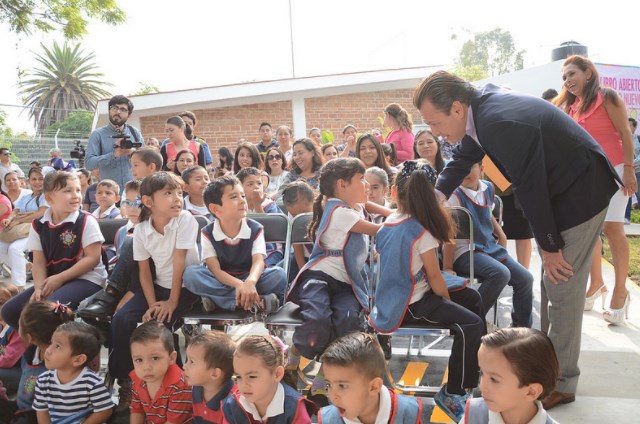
[(264, 124), (214, 191), (441, 89), (3, 149), (359, 350), (84, 339), (189, 115), (549, 94), (633, 122), (121, 100), (153, 331)]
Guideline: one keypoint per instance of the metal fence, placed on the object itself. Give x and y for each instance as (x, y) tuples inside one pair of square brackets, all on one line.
[(28, 149)]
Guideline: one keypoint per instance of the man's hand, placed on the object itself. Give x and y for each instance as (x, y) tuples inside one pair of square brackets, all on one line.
[(556, 268), (118, 152)]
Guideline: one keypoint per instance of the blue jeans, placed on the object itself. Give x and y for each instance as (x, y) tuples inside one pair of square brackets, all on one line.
[(70, 293), (494, 276), (329, 310), (200, 281), (627, 212)]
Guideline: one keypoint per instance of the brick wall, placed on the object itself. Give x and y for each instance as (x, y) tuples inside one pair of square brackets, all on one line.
[(360, 109), (225, 126)]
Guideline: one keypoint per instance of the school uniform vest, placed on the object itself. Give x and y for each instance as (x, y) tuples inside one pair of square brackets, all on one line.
[(477, 412), (397, 283), (211, 412), (61, 244), (482, 223), (294, 405), (354, 243), (404, 410), (234, 258)]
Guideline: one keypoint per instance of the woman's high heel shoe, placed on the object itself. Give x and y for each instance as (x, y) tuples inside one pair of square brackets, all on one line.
[(617, 316), (591, 300)]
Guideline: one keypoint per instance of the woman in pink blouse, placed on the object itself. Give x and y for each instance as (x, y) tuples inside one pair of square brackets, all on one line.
[(602, 113), (396, 117)]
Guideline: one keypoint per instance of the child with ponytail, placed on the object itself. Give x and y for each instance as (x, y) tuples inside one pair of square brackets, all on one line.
[(331, 288), (258, 364), (412, 289)]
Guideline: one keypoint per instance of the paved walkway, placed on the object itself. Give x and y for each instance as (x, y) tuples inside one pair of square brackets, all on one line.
[(632, 229)]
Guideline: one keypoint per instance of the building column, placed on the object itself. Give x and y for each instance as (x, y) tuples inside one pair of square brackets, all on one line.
[(298, 113)]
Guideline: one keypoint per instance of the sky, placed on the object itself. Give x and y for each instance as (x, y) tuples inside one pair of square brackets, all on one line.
[(199, 43)]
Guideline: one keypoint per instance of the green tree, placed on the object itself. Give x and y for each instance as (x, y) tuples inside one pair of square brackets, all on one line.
[(67, 81), (5, 131), (493, 52), (27, 16), (146, 88), (76, 125)]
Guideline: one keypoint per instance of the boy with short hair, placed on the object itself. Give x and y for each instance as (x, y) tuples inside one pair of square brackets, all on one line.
[(233, 249), (160, 392), (107, 195), (258, 202), (492, 264), (145, 161), (195, 180), (354, 370), (209, 368), (69, 391)]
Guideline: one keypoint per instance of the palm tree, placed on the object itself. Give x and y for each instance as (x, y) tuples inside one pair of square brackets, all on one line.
[(67, 81)]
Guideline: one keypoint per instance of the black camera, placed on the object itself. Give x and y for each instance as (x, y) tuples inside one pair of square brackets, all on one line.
[(126, 142), (78, 152)]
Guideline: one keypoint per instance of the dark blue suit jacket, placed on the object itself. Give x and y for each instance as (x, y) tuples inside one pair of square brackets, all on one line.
[(559, 173)]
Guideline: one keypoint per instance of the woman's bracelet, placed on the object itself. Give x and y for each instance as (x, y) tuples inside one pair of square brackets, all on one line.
[(629, 165)]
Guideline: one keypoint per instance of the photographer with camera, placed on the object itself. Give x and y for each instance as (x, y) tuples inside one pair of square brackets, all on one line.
[(109, 147)]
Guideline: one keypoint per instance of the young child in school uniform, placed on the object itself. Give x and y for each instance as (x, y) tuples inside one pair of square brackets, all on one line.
[(107, 195), (298, 198), (66, 244), (354, 367), (412, 290), (209, 369), (492, 264), (69, 392), (519, 367), (378, 180), (166, 238), (38, 322), (257, 202), (144, 162), (160, 392), (195, 180), (331, 288), (258, 364), (233, 249)]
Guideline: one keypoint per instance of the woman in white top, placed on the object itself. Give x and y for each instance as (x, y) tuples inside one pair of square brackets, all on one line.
[(275, 165), (14, 191)]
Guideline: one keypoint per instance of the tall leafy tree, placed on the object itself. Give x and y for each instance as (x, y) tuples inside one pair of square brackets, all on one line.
[(67, 80), (27, 16), (490, 53)]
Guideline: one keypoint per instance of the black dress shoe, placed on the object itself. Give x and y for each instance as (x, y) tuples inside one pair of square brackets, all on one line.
[(385, 344), (101, 305)]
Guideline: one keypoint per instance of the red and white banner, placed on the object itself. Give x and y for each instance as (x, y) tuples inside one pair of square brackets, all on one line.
[(626, 81)]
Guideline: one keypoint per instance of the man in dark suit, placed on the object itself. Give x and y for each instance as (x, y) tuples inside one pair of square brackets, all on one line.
[(560, 175)]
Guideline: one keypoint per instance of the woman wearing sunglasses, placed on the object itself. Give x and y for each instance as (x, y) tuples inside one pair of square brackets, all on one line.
[(275, 165)]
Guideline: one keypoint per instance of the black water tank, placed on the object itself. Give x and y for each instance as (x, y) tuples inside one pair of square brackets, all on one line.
[(567, 49)]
